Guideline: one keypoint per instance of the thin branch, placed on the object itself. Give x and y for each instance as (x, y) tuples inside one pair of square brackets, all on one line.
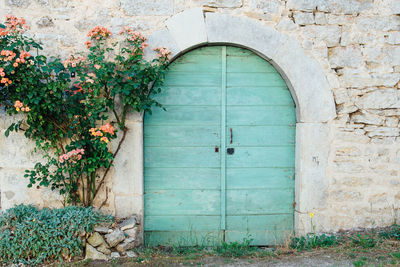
[(109, 167), (105, 200)]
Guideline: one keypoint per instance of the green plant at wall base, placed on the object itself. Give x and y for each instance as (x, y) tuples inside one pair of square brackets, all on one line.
[(32, 236), (73, 109)]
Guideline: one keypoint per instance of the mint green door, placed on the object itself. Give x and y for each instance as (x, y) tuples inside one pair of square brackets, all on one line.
[(219, 163)]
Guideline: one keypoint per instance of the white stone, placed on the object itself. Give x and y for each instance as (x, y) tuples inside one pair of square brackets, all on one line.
[(19, 3), (243, 31), (267, 6), (338, 19), (188, 28), (95, 239), (392, 122), (131, 254), (381, 23), (345, 57), (311, 163), (344, 6), (393, 38), (223, 3), (320, 18), (346, 108), (92, 253), (115, 237), (352, 36), (382, 131), (384, 98), (392, 55), (329, 34), (367, 118), (132, 232), (128, 223), (303, 18), (115, 255), (304, 5), (341, 96), (286, 24), (307, 82), (146, 7), (104, 249), (102, 230), (395, 6), (128, 243), (358, 78)]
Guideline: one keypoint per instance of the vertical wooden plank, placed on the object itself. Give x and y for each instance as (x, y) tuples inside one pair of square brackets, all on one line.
[(223, 141)]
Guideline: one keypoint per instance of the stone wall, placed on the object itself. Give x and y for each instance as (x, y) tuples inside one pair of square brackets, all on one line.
[(356, 42)]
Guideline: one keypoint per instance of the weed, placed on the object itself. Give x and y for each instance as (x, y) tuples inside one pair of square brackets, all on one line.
[(352, 255), (365, 241), (313, 241), (395, 255), (359, 263), (236, 249), (392, 232)]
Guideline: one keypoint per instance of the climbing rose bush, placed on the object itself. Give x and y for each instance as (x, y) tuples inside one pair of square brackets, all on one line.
[(74, 109)]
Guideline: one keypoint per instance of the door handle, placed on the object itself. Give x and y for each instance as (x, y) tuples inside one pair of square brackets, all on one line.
[(231, 136)]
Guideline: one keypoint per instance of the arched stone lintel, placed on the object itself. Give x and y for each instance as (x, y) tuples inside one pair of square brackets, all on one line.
[(303, 74)]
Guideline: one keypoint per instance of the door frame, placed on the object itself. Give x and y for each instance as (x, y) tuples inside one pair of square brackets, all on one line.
[(305, 78)]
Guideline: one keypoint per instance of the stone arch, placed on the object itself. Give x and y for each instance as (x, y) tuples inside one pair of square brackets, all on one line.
[(303, 74)]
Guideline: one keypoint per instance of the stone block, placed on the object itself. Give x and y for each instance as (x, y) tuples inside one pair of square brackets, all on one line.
[(286, 24), (267, 6), (128, 223), (115, 237), (223, 3), (133, 233), (395, 7), (375, 131), (131, 254), (102, 230), (378, 23), (320, 18), (379, 99), (311, 163), (349, 56), (308, 83), (104, 249), (393, 38), (367, 118), (96, 239), (45, 21), (188, 28), (92, 253), (148, 8), (392, 122), (328, 34), (19, 3), (128, 243), (303, 18), (344, 6), (303, 5), (223, 28), (115, 255)]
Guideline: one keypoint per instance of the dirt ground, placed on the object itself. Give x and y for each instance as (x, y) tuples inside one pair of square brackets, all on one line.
[(385, 255)]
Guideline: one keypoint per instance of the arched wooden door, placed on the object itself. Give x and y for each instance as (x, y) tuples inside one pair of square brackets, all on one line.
[(219, 162)]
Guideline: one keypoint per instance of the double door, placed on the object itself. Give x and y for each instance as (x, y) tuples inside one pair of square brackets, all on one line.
[(219, 162)]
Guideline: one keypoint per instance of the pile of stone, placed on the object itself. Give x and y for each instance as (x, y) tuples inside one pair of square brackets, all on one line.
[(106, 243)]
